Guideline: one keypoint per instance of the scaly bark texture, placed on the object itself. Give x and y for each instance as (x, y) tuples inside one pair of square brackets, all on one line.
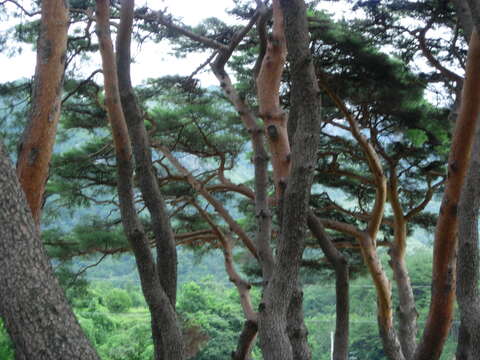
[(444, 257), (468, 347), (468, 298), (305, 103), (268, 95), (296, 329), (35, 149), (159, 303), (37, 315), (340, 264)]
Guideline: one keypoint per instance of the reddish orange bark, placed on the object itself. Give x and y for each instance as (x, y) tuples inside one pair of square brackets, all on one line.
[(443, 273), (268, 94), (36, 147)]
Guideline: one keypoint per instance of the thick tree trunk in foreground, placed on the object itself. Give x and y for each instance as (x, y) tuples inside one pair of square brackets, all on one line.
[(340, 264), (37, 315), (160, 306), (274, 339), (35, 150), (443, 275), (296, 329), (468, 298)]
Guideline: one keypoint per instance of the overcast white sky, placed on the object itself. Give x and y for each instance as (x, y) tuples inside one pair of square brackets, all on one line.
[(154, 60)]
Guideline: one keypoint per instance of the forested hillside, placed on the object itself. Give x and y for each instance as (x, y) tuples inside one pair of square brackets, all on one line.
[(112, 311), (302, 184)]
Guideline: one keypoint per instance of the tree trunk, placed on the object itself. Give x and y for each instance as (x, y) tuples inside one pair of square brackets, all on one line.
[(443, 275), (407, 312), (159, 303), (37, 315), (164, 238), (246, 341), (340, 264), (368, 238), (268, 96), (468, 347), (391, 344), (260, 160), (464, 17), (35, 149), (305, 104), (296, 328)]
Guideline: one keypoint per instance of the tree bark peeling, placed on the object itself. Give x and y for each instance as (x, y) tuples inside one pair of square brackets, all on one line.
[(268, 95), (35, 150)]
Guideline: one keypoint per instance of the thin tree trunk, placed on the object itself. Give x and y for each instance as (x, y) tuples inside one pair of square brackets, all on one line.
[(268, 87), (261, 249), (249, 331), (160, 306), (246, 341), (35, 149), (407, 312), (164, 237), (444, 257), (260, 160), (368, 238), (37, 315), (340, 264), (305, 105)]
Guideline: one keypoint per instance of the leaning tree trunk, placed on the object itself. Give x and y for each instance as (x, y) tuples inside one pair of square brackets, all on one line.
[(37, 315), (444, 259), (274, 340), (35, 149), (160, 306)]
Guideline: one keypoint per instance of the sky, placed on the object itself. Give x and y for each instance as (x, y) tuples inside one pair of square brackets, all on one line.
[(155, 60)]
